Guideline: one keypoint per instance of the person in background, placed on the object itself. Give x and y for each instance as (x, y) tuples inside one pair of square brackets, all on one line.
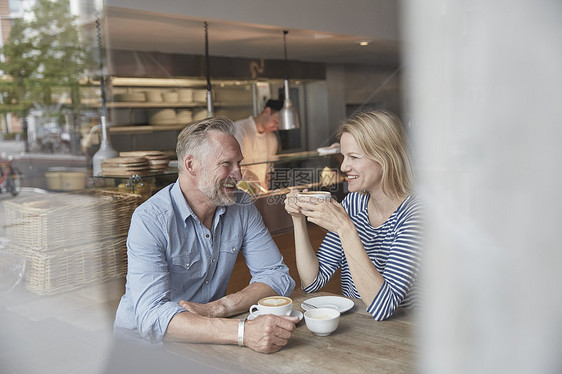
[(182, 247), (375, 234), (257, 139)]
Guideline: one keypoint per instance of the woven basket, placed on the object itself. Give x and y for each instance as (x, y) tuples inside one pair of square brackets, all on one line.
[(57, 221), (68, 269)]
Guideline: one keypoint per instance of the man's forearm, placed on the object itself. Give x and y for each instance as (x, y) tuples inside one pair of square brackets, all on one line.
[(192, 327), (242, 300)]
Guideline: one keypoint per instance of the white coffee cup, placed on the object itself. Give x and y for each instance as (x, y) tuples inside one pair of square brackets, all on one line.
[(322, 321), (314, 197), (278, 305)]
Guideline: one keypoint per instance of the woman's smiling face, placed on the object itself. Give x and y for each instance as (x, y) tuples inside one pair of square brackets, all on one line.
[(363, 174)]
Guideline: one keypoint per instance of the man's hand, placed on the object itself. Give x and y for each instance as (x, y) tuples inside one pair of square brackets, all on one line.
[(269, 333)]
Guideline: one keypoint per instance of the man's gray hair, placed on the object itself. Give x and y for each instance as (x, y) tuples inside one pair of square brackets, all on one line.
[(193, 138)]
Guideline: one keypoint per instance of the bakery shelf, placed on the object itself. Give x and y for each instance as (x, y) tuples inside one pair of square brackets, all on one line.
[(126, 105), (136, 104), (136, 129)]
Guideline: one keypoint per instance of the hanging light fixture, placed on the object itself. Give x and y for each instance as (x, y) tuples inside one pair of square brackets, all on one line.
[(288, 117), (106, 150), (210, 112)]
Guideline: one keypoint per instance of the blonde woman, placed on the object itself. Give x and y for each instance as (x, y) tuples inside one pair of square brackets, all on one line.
[(375, 233)]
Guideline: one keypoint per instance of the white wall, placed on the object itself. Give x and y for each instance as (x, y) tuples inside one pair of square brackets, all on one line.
[(485, 84)]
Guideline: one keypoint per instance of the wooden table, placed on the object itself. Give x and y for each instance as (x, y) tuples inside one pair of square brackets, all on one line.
[(359, 345)]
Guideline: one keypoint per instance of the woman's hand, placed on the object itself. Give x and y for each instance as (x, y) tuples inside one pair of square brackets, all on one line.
[(307, 263), (329, 215), (291, 203)]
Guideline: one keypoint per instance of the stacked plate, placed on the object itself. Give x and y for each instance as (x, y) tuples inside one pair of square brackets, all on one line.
[(185, 95), (170, 96), (199, 114), (154, 96), (157, 161), (184, 116), (125, 166), (162, 117), (200, 96)]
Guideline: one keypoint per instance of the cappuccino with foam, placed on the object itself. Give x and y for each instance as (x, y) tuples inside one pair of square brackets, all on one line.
[(278, 305), (275, 301)]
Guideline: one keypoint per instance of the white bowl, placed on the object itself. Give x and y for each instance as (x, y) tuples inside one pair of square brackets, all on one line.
[(200, 96), (73, 180), (54, 181), (170, 96), (161, 114), (185, 116), (199, 114), (154, 96), (185, 95), (322, 321)]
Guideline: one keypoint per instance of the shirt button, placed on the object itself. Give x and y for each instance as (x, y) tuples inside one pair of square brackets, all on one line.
[(214, 260), (187, 264), (233, 249), (207, 235), (206, 282)]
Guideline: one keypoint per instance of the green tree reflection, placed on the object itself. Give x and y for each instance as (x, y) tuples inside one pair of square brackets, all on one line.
[(44, 57)]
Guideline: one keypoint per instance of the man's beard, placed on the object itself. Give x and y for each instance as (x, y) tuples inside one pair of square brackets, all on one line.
[(215, 192)]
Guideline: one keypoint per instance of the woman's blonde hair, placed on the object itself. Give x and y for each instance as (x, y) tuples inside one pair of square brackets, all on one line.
[(381, 136)]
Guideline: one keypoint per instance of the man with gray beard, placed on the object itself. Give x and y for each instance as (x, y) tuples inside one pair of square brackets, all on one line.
[(182, 247)]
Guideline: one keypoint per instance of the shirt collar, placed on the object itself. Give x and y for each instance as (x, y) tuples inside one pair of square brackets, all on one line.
[(179, 201), (185, 210)]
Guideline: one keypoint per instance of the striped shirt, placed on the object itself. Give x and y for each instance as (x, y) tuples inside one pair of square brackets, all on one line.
[(394, 248)]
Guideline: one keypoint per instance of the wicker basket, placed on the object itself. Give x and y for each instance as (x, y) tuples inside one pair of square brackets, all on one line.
[(58, 221), (74, 267)]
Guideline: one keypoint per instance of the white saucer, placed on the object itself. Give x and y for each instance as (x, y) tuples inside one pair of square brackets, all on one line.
[(294, 313), (341, 304)]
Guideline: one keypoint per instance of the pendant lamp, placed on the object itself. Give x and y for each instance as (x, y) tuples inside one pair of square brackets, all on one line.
[(288, 117), (106, 150), (210, 111)]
